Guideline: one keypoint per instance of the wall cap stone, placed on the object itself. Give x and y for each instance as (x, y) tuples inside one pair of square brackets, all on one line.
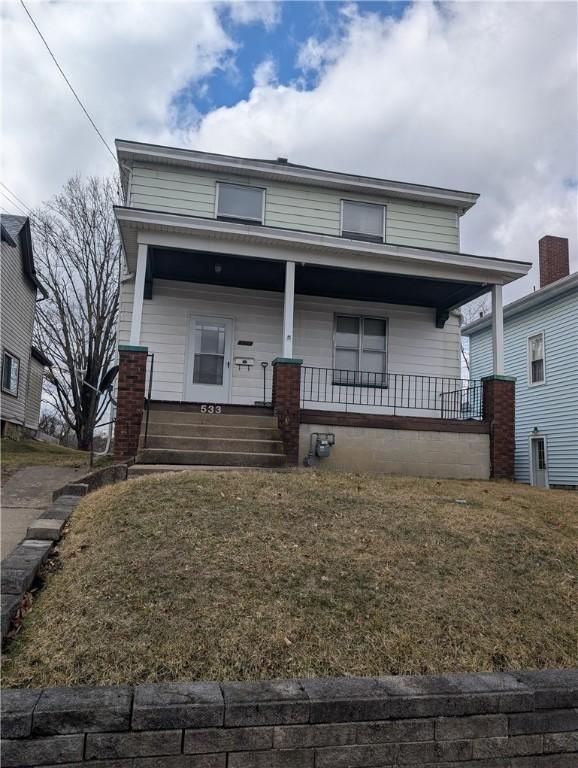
[(159, 706), (287, 361), (131, 348)]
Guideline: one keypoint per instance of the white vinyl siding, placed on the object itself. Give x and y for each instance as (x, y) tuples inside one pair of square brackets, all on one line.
[(18, 307), (553, 407), (291, 206), (415, 345)]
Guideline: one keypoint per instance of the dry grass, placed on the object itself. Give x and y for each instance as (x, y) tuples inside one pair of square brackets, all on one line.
[(32, 453), (257, 575)]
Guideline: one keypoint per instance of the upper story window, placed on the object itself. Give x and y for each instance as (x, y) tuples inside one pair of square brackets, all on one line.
[(237, 201), (10, 373), (536, 359), (363, 221), (360, 351)]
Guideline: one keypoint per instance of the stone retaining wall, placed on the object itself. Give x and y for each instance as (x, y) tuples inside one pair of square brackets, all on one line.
[(518, 720)]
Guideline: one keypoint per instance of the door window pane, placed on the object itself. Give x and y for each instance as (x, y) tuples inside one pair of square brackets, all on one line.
[(208, 369), (210, 339), (237, 201), (363, 219)]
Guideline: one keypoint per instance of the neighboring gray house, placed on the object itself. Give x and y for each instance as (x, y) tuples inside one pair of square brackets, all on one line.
[(22, 365), (541, 352)]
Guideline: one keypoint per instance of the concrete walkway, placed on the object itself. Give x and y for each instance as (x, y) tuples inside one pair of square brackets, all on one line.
[(25, 495)]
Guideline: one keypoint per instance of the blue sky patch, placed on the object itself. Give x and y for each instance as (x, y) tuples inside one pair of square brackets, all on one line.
[(233, 82)]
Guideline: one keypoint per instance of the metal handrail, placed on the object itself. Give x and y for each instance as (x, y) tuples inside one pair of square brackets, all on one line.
[(396, 391), (148, 397)]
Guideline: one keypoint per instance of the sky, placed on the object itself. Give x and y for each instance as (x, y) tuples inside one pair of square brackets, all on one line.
[(475, 96)]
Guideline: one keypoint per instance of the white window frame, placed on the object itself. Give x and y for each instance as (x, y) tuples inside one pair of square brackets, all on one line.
[(5, 353), (538, 436), (529, 359), (361, 319), (224, 217), (367, 238)]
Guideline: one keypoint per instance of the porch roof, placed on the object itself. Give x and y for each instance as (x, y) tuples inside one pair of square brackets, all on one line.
[(274, 244)]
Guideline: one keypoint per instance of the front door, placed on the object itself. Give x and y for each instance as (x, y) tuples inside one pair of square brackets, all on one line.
[(539, 469), (208, 370)]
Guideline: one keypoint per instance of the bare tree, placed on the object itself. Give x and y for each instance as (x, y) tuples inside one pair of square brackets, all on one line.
[(77, 254), (470, 312)]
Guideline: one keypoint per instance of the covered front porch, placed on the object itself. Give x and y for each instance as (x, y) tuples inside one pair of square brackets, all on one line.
[(234, 315), (374, 335)]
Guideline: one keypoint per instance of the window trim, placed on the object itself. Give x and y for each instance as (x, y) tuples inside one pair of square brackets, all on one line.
[(360, 349), (367, 238), (529, 359), (14, 357), (241, 219)]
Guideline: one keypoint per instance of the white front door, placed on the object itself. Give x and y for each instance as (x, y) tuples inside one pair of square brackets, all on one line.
[(208, 369), (539, 468)]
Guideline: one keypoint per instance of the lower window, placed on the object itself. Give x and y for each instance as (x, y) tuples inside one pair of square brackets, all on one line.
[(360, 351), (10, 373)]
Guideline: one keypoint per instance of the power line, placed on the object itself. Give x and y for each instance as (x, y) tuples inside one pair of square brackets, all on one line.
[(17, 200), (68, 83), (13, 204)]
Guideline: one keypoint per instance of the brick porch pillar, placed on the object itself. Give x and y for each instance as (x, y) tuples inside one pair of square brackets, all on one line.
[(130, 400), (499, 411), (287, 403)]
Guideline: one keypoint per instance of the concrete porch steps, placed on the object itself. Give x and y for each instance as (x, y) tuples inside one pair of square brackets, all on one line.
[(169, 429), (222, 458), (216, 419), (179, 434), (213, 444), (142, 470)]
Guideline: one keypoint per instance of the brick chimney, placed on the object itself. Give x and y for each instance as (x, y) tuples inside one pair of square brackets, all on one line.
[(554, 261)]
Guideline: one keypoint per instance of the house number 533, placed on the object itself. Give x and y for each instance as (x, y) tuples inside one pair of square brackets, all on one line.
[(210, 408)]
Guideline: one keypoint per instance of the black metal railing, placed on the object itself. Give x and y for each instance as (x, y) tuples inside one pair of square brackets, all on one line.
[(438, 396), (148, 395)]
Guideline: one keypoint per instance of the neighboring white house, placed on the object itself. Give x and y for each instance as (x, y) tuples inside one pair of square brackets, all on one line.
[(22, 365), (232, 262), (541, 352)]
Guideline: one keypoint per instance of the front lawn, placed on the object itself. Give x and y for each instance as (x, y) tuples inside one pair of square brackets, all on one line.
[(261, 575), (33, 453)]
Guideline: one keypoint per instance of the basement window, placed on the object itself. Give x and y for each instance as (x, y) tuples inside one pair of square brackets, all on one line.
[(536, 359), (363, 221), (10, 374), (238, 202)]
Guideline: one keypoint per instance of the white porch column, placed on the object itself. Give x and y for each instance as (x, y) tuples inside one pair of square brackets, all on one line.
[(139, 282), (288, 309), (497, 331)]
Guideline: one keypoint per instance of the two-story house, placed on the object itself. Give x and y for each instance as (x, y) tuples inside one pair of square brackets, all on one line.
[(541, 352), (298, 302), (22, 364)]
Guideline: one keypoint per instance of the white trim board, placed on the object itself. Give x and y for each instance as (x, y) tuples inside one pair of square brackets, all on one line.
[(194, 233)]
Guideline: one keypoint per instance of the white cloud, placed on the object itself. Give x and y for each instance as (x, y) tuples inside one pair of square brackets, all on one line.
[(126, 60), (476, 96)]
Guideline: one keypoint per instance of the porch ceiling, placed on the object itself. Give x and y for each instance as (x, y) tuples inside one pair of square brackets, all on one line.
[(310, 280)]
